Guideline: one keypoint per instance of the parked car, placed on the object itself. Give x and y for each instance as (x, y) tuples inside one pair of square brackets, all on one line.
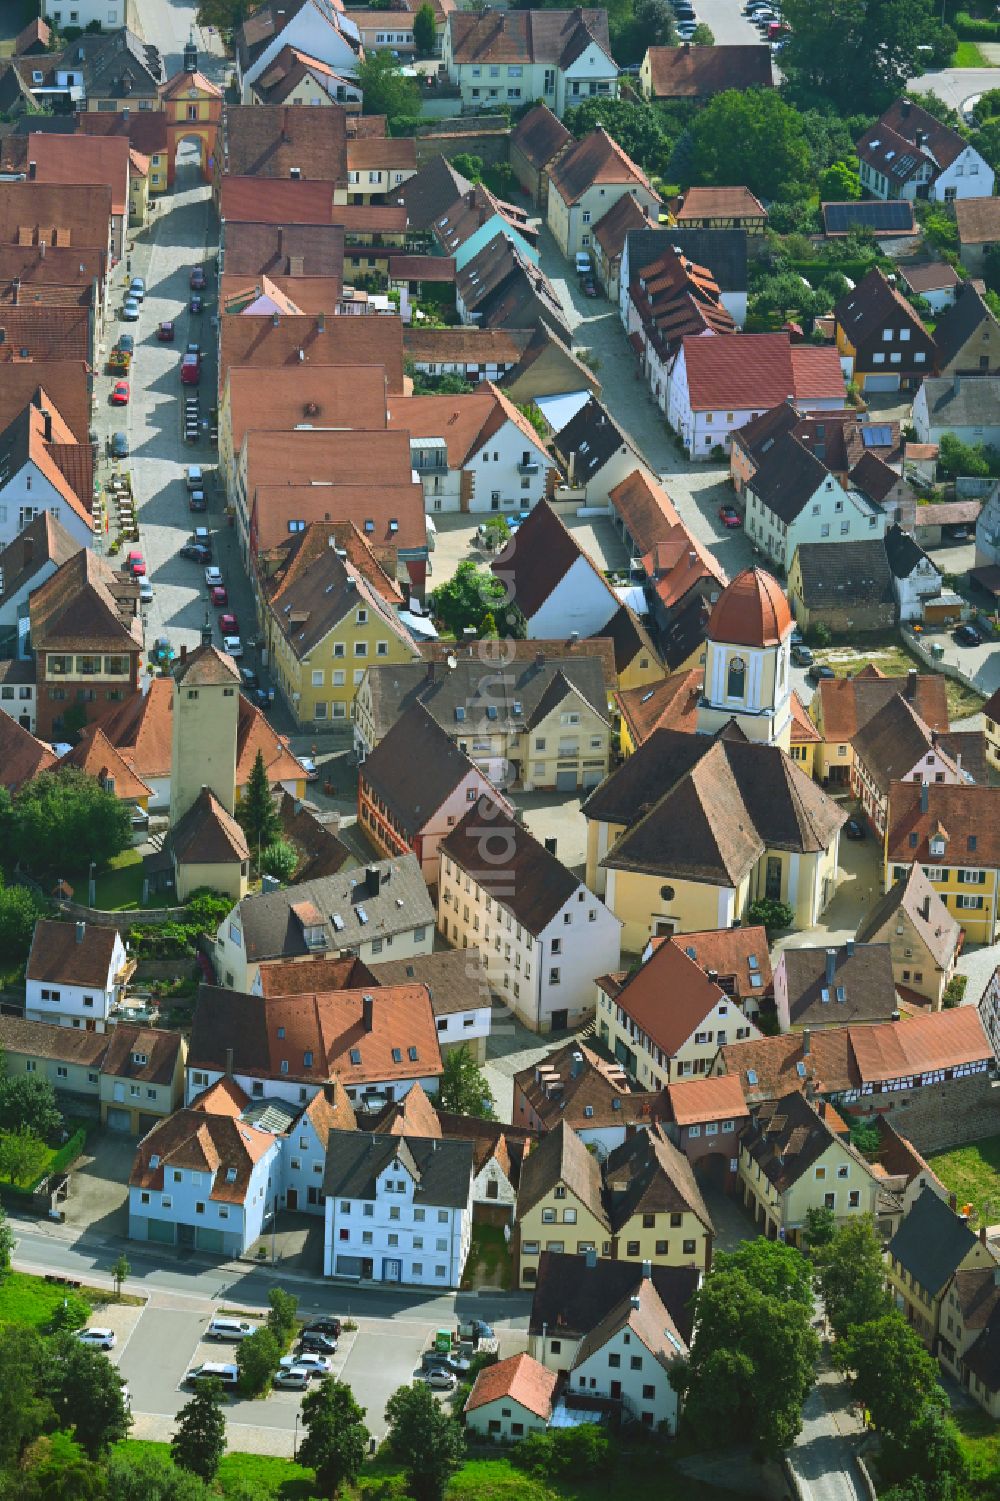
[(196, 501), (967, 635), (196, 303), (588, 286), (729, 516), (130, 310), (325, 1325), (196, 281), (213, 577), (213, 1370), (120, 393), (97, 1339), (219, 595), (136, 563), (801, 655), (126, 343), (190, 370), (195, 477), (322, 1344), (165, 332), (119, 446), (137, 289), (145, 592), (855, 829), (230, 1329), (196, 552), (686, 30), (583, 264), (294, 1379), (316, 1365), (229, 625), (232, 645), (309, 767), (441, 1380), (432, 1359), (194, 348), (817, 672)]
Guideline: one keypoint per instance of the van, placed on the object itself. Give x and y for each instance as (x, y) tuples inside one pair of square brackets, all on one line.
[(228, 1375), (190, 370), (230, 1329)]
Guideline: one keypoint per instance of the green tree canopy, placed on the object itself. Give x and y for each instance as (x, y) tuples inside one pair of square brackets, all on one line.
[(635, 125), (257, 1360), (199, 1441), (224, 15), (87, 1395), (20, 909), (336, 1439), (28, 1103), (751, 137), (65, 819), (468, 596), (852, 1275), (839, 183), (754, 1360), (931, 1450), (426, 1439), (279, 860), (23, 1155), (144, 1475), (891, 1372), (387, 89), (463, 1089), (827, 43), (25, 1408), (424, 30), (282, 1312), (56, 1468), (256, 810)]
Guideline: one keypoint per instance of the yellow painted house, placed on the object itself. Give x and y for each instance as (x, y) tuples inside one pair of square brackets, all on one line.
[(953, 831), (560, 1204), (843, 705), (329, 618), (930, 1246), (796, 1156)]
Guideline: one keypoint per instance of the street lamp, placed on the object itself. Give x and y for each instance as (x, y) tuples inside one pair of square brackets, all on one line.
[(295, 1440)]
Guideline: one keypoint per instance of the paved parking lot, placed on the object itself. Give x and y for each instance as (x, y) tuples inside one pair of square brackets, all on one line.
[(98, 1193)]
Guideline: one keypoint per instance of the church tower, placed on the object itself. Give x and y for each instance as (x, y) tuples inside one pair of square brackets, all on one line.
[(747, 665), (206, 710)]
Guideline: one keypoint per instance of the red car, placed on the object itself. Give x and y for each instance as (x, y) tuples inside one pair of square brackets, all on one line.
[(196, 280), (218, 595), (165, 333), (136, 564), (729, 516), (119, 393), (229, 625)]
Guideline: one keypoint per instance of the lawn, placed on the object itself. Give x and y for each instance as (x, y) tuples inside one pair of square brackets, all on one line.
[(968, 55), (892, 659), (30, 1300), (980, 1442), (973, 1173), (278, 1478), (119, 888), (488, 1256), (56, 1158)]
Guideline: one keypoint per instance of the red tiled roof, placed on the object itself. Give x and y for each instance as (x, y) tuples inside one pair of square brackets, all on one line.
[(688, 72), (520, 1379), (751, 372), (751, 611), (668, 972), (284, 202), (712, 203), (695, 1100)]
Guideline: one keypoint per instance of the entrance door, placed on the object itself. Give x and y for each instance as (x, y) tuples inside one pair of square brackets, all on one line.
[(616, 1389), (560, 1021), (772, 882), (293, 1198), (185, 1235), (392, 1269)]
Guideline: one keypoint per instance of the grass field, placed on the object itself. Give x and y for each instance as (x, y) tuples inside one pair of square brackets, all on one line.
[(30, 1300), (973, 1173), (980, 1443), (478, 1480), (892, 659), (119, 888), (489, 1256), (969, 55)]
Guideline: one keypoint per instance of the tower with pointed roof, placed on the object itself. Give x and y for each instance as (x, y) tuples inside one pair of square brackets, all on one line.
[(747, 665), (204, 730)]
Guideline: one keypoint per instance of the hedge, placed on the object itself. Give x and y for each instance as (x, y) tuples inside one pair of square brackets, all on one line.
[(816, 272), (970, 29), (59, 1161)]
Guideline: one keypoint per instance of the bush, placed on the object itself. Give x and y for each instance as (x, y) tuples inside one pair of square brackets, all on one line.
[(575, 1453), (770, 914), (819, 634), (970, 29), (279, 860)]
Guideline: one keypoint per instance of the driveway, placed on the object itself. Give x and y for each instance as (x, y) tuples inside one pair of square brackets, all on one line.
[(822, 1456), (859, 889), (956, 85), (168, 24), (727, 23), (733, 1225), (98, 1187)]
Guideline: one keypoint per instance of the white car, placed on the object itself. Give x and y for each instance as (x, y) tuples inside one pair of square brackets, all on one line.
[(213, 577), (233, 645), (145, 592), (293, 1379), (441, 1380), (316, 1365), (98, 1339), (583, 265)]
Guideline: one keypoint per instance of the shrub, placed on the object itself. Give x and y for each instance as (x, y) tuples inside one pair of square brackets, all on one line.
[(970, 29), (770, 914)]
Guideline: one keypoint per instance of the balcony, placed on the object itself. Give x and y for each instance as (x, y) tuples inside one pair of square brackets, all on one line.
[(532, 468)]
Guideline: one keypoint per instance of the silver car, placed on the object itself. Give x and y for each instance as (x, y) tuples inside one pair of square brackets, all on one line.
[(293, 1379)]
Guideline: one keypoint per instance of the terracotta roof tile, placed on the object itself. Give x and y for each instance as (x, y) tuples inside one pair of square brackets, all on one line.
[(95, 755), (709, 203), (314, 974), (692, 1101), (85, 606), (862, 313), (735, 956), (539, 136), (846, 704), (597, 158), (285, 202), (693, 996), (978, 220), (519, 1379), (208, 835), (227, 1149), (61, 384), (687, 72), (310, 395), (72, 159), (60, 953), (914, 895), (804, 732), (61, 1044), (324, 342), (969, 817), (578, 1085), (748, 371), (61, 214), (380, 502), (285, 250), (269, 140), (532, 883), (537, 558), (535, 36), (39, 334), (671, 704), (611, 229), (22, 757)]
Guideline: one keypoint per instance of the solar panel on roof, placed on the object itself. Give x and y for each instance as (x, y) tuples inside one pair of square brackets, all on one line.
[(870, 214), (876, 437)]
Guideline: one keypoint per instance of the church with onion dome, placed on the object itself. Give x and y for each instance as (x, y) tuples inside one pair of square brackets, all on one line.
[(710, 812)]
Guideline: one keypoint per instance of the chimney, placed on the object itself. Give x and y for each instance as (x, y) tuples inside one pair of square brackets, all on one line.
[(275, 318), (551, 844), (184, 652), (647, 1270), (821, 1109), (367, 1009), (911, 683), (904, 108), (924, 797), (321, 323), (81, 930), (229, 1062), (539, 659), (925, 909), (27, 549), (576, 1068), (806, 1042), (574, 637), (32, 171), (47, 424), (373, 880), (982, 1235), (920, 139), (850, 948), (41, 244), (284, 125), (831, 965), (330, 1091)]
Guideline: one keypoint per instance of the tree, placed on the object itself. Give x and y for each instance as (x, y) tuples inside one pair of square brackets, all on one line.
[(87, 1395), (958, 458), (55, 1468), (25, 1410), (463, 1089), (336, 1439), (889, 1369), (200, 1438), (66, 817), (279, 860), (28, 1103), (825, 42), (635, 125), (20, 909), (772, 915), (703, 36), (852, 1276), (820, 1229), (754, 1360), (257, 1360), (468, 165), (464, 600), (991, 268), (120, 1271), (256, 810), (426, 1439), (751, 137), (866, 1138), (72, 1313), (281, 1317), (424, 31), (387, 90), (224, 15), (148, 1476), (23, 1155), (839, 183), (931, 1450)]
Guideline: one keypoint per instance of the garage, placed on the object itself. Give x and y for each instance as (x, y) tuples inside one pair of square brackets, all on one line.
[(118, 1120), (876, 383), (210, 1240), (161, 1231), (592, 777), (566, 781)]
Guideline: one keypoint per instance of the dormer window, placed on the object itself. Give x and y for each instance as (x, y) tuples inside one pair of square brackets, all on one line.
[(937, 845), (154, 1160), (139, 1059)]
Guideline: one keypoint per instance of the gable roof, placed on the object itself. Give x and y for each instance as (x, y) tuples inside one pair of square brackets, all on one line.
[(610, 230), (561, 1157), (85, 605), (38, 435), (519, 1379), (965, 816), (862, 312), (978, 220), (97, 160), (668, 997), (722, 203), (892, 742), (852, 573), (530, 882), (415, 768), (687, 72), (95, 755), (225, 1147), (847, 703), (734, 957), (914, 895), (692, 1101), (597, 158), (44, 540), (323, 341), (573, 1294), (539, 136), (786, 1136), (669, 704), (577, 1085), (891, 144), (787, 476), (441, 1167), (538, 557), (955, 401), (533, 36), (749, 371), (931, 1242), (61, 952), (208, 834), (22, 757), (657, 1179), (456, 979), (852, 983), (430, 192), (961, 322), (645, 1315)]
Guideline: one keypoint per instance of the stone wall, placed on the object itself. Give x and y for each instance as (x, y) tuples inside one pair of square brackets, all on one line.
[(486, 137), (939, 1117), (122, 920)]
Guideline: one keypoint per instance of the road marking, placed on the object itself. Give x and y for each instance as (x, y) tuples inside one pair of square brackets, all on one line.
[(128, 1337)]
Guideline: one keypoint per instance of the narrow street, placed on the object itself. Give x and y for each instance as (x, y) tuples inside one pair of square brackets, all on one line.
[(823, 1455)]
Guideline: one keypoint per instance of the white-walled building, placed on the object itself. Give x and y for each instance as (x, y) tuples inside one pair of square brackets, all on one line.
[(542, 935), (909, 153), (915, 578), (507, 56), (627, 1357), (316, 28), (398, 1209), (76, 974), (511, 1399), (32, 482), (551, 579)]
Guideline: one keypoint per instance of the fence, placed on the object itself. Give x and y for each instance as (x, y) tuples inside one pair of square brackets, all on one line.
[(122, 919)]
